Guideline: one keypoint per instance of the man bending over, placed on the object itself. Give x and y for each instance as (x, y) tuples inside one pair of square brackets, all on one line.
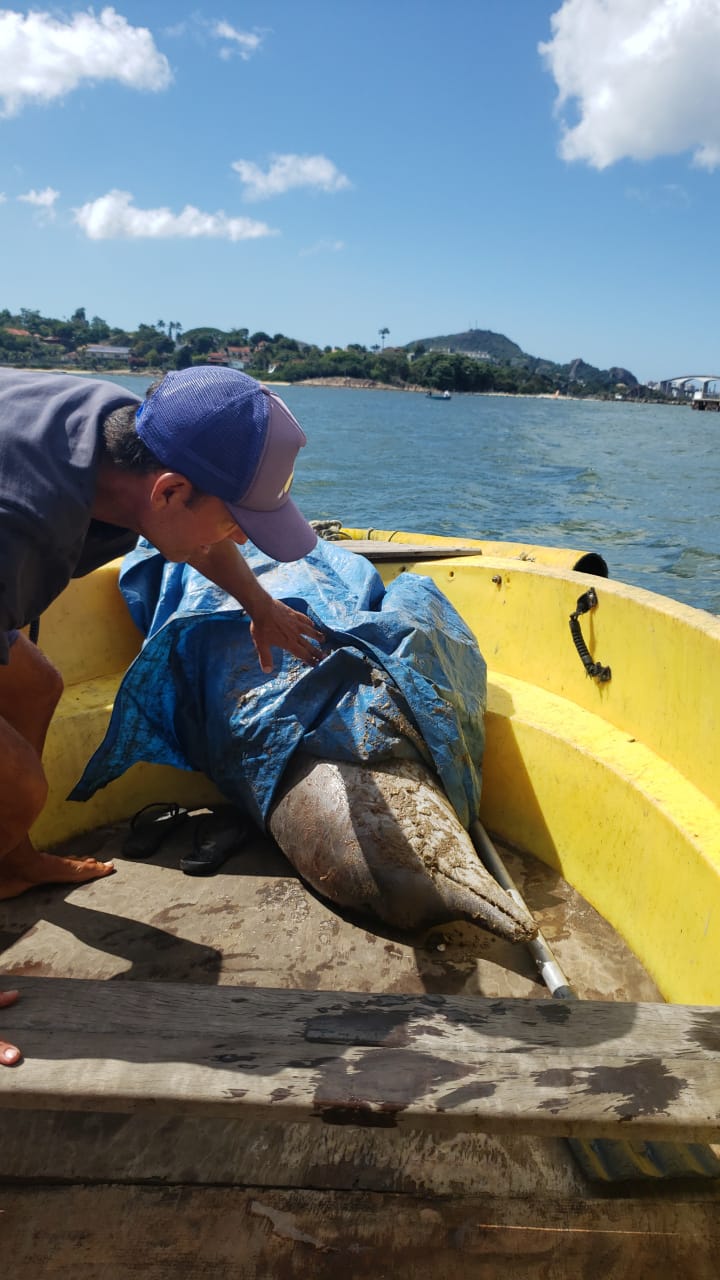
[(205, 462)]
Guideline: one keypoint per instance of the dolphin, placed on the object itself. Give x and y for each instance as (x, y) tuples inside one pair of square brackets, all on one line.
[(385, 841)]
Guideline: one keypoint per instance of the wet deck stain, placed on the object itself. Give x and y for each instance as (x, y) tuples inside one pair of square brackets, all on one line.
[(706, 1030), (358, 1114), (363, 1028), (644, 1087), (468, 1093), (380, 1083)]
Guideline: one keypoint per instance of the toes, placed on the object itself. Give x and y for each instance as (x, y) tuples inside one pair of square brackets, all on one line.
[(80, 869)]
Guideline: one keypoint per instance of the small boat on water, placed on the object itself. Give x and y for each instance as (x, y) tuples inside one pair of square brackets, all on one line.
[(438, 395), (229, 1077)]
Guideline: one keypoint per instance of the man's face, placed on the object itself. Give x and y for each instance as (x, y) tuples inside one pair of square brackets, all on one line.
[(182, 523)]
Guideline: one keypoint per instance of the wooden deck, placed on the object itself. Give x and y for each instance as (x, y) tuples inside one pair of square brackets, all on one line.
[(225, 1078)]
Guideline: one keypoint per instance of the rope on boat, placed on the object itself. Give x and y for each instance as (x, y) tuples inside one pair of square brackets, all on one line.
[(329, 530), (587, 601)]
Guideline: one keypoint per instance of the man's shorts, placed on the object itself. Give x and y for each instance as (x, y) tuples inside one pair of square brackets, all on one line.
[(11, 637)]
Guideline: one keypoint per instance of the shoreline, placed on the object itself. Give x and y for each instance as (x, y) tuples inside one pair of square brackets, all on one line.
[(363, 384), (358, 384)]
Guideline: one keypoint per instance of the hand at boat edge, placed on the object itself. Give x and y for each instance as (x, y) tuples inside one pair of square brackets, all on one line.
[(9, 1053)]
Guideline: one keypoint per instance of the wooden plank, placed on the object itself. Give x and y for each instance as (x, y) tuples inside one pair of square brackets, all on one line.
[(85, 1147), (112, 1233), (443, 1064), (407, 551)]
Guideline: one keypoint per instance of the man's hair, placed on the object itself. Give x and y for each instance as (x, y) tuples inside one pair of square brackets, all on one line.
[(123, 446)]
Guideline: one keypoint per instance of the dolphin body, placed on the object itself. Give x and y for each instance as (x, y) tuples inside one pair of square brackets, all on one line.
[(385, 841)]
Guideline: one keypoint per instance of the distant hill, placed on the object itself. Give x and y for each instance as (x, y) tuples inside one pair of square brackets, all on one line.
[(495, 348)]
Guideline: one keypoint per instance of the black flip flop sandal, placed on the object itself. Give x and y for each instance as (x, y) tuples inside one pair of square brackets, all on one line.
[(150, 827), (216, 837)]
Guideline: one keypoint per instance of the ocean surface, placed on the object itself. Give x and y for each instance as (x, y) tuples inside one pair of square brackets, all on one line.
[(639, 484)]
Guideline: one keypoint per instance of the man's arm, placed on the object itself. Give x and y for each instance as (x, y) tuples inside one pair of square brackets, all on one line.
[(272, 622)]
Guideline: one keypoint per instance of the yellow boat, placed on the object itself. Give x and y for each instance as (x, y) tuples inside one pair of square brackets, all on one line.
[(276, 1091)]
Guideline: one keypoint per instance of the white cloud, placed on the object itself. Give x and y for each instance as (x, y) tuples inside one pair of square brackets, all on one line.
[(43, 199), (3, 197), (642, 76), (43, 58), (242, 43), (286, 172), (115, 217), (44, 202)]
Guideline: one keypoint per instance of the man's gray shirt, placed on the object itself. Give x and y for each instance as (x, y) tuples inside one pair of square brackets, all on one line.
[(50, 448)]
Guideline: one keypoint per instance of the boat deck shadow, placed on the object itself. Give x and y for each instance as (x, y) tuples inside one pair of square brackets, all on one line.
[(256, 924)]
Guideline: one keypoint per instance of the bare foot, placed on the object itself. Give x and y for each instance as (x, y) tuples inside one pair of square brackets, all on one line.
[(26, 867), (9, 1053)]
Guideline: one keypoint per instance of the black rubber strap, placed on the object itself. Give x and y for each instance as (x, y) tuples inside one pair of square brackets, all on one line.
[(586, 602)]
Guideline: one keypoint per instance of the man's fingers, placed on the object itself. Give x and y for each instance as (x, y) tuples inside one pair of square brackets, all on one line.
[(286, 629), (9, 1054), (309, 629), (264, 656), (308, 651)]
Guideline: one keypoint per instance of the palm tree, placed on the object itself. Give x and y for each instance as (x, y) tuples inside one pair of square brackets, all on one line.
[(383, 334)]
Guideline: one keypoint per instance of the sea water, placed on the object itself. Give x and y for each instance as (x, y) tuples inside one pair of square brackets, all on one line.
[(640, 484)]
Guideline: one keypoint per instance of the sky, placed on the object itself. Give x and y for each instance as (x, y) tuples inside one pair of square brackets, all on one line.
[(548, 170)]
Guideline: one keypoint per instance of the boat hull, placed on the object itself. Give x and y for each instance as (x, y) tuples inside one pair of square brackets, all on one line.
[(614, 784), (235, 1108)]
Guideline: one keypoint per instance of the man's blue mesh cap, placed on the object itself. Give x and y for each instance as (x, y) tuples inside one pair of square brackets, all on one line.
[(234, 439)]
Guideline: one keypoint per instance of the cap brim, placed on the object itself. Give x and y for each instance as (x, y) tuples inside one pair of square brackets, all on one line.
[(283, 534)]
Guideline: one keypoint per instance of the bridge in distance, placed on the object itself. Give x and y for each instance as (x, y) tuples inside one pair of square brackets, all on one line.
[(681, 383)]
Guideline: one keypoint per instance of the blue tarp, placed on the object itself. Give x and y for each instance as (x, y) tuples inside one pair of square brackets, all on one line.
[(402, 676)]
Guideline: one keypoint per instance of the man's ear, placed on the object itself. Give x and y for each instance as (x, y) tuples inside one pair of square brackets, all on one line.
[(169, 488)]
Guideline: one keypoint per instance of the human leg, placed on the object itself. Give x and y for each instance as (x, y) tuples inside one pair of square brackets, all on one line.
[(30, 689)]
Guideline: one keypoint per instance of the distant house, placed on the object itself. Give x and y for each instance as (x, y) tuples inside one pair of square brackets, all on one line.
[(101, 351), (18, 333), (217, 357), (238, 356)]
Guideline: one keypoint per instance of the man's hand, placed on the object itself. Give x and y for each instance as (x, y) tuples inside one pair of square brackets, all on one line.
[(277, 624), (9, 1053), (272, 622)]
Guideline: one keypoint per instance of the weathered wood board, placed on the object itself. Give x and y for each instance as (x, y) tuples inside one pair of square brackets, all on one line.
[(445, 1064), (220, 1233), (407, 551)]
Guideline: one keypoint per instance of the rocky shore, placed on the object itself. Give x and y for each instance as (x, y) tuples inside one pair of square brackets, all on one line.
[(366, 384), (360, 384)]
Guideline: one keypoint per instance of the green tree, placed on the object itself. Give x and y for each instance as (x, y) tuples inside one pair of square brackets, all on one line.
[(99, 331), (30, 319)]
